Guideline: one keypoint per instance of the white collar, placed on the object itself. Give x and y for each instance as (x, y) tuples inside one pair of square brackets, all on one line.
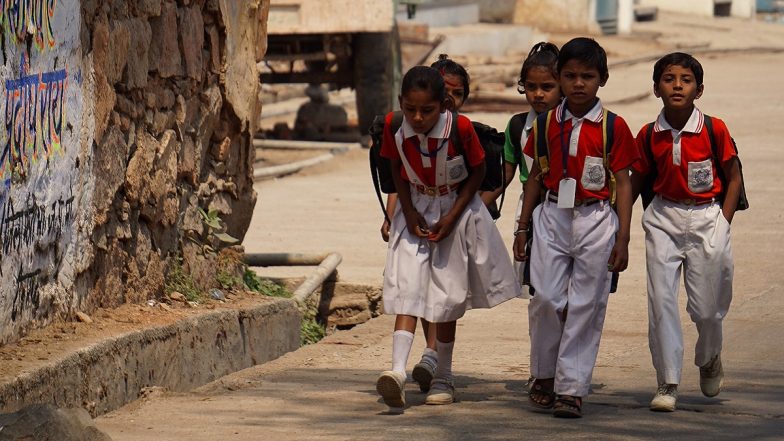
[(693, 125), (529, 120), (440, 130), (595, 114)]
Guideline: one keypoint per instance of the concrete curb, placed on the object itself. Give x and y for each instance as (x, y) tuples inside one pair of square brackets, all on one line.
[(179, 357)]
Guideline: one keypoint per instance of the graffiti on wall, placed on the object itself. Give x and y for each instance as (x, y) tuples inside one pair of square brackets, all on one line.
[(33, 121), (22, 17), (40, 174)]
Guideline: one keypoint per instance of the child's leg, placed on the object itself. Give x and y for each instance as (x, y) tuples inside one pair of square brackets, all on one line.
[(391, 384), (550, 267), (593, 236), (442, 389), (425, 370), (708, 278), (402, 339), (663, 255)]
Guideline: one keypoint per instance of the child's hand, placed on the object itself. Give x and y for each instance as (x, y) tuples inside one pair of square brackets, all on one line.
[(385, 231), (416, 224), (519, 246), (441, 229), (619, 257)]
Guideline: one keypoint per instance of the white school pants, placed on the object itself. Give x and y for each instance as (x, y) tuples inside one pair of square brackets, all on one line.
[(697, 239), (571, 247)]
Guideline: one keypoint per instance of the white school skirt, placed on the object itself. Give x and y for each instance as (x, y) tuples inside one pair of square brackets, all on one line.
[(440, 281)]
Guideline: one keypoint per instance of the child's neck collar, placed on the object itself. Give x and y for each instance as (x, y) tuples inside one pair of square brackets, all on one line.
[(677, 118), (582, 110)]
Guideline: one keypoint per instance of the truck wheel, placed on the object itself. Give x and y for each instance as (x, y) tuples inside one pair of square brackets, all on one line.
[(376, 75)]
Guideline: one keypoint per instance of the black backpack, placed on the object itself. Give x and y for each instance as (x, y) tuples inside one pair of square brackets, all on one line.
[(492, 142), (646, 192)]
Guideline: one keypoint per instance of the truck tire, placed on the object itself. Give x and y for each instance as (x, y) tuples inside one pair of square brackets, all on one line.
[(376, 75)]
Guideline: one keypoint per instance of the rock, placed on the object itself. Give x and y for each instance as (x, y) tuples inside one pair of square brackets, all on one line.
[(164, 307), (178, 297), (117, 57), (164, 49), (215, 49), (45, 422), (192, 36), (138, 53), (217, 294), (220, 150), (149, 8), (110, 157), (84, 318)]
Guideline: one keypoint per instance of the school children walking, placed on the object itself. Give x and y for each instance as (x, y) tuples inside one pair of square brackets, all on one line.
[(579, 236), (697, 183), (538, 81), (445, 254)]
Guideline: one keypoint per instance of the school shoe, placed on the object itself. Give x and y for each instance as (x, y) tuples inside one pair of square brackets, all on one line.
[(423, 373), (442, 391), (711, 377), (391, 386), (665, 398)]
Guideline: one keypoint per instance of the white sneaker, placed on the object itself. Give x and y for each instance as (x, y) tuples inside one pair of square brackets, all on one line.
[(442, 391), (391, 386), (665, 398), (423, 373), (712, 377)]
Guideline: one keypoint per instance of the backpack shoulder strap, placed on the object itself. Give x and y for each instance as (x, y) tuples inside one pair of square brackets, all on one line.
[(608, 137), (454, 136), (542, 141), (397, 122)]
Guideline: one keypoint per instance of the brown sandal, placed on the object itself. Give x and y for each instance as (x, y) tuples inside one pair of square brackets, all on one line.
[(541, 393), (567, 406)]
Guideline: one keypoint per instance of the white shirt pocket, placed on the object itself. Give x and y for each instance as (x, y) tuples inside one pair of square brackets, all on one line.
[(701, 176), (593, 174), (456, 170)]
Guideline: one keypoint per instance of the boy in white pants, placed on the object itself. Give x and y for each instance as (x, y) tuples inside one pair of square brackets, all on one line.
[(687, 225)]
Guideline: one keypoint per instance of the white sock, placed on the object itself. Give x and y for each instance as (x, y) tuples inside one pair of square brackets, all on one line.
[(431, 354), (444, 369), (401, 346)]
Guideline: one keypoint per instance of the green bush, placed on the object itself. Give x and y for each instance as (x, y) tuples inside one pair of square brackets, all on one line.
[(264, 286), (178, 280)]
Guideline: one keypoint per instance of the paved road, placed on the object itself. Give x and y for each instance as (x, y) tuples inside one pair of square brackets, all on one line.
[(326, 391)]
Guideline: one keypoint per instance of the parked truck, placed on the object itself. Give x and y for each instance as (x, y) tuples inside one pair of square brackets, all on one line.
[(344, 43)]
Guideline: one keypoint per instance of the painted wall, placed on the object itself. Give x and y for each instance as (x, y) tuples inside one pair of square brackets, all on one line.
[(121, 121), (44, 153)]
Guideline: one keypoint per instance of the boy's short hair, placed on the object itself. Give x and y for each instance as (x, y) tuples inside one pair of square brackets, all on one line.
[(587, 51), (678, 59)]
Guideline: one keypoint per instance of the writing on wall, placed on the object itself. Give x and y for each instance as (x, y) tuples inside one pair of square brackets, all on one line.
[(33, 121), (22, 17)]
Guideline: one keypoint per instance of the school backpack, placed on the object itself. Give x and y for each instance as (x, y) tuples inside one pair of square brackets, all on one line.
[(380, 169), (646, 192)]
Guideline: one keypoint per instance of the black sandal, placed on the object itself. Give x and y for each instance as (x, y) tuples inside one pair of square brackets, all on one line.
[(545, 395), (567, 406)]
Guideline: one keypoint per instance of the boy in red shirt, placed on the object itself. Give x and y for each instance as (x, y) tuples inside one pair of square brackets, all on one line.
[(687, 226), (579, 237)]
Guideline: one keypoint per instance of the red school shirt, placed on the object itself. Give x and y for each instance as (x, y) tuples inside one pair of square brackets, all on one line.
[(474, 153), (590, 142), (693, 145)]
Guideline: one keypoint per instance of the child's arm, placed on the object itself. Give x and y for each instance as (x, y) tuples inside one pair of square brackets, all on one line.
[(732, 193), (391, 203), (444, 226), (533, 186), (414, 221), (509, 172), (619, 257)]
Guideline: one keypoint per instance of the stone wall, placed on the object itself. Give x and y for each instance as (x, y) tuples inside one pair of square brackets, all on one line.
[(122, 120)]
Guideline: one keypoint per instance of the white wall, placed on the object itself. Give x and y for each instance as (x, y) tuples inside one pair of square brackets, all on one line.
[(740, 8)]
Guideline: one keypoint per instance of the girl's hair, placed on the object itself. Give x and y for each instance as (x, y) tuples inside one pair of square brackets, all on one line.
[(587, 51), (685, 61), (444, 65), (543, 54), (426, 79)]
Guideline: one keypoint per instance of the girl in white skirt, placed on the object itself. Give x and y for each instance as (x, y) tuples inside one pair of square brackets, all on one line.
[(445, 254)]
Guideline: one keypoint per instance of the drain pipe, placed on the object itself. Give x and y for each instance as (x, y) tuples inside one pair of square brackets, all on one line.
[(327, 264)]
